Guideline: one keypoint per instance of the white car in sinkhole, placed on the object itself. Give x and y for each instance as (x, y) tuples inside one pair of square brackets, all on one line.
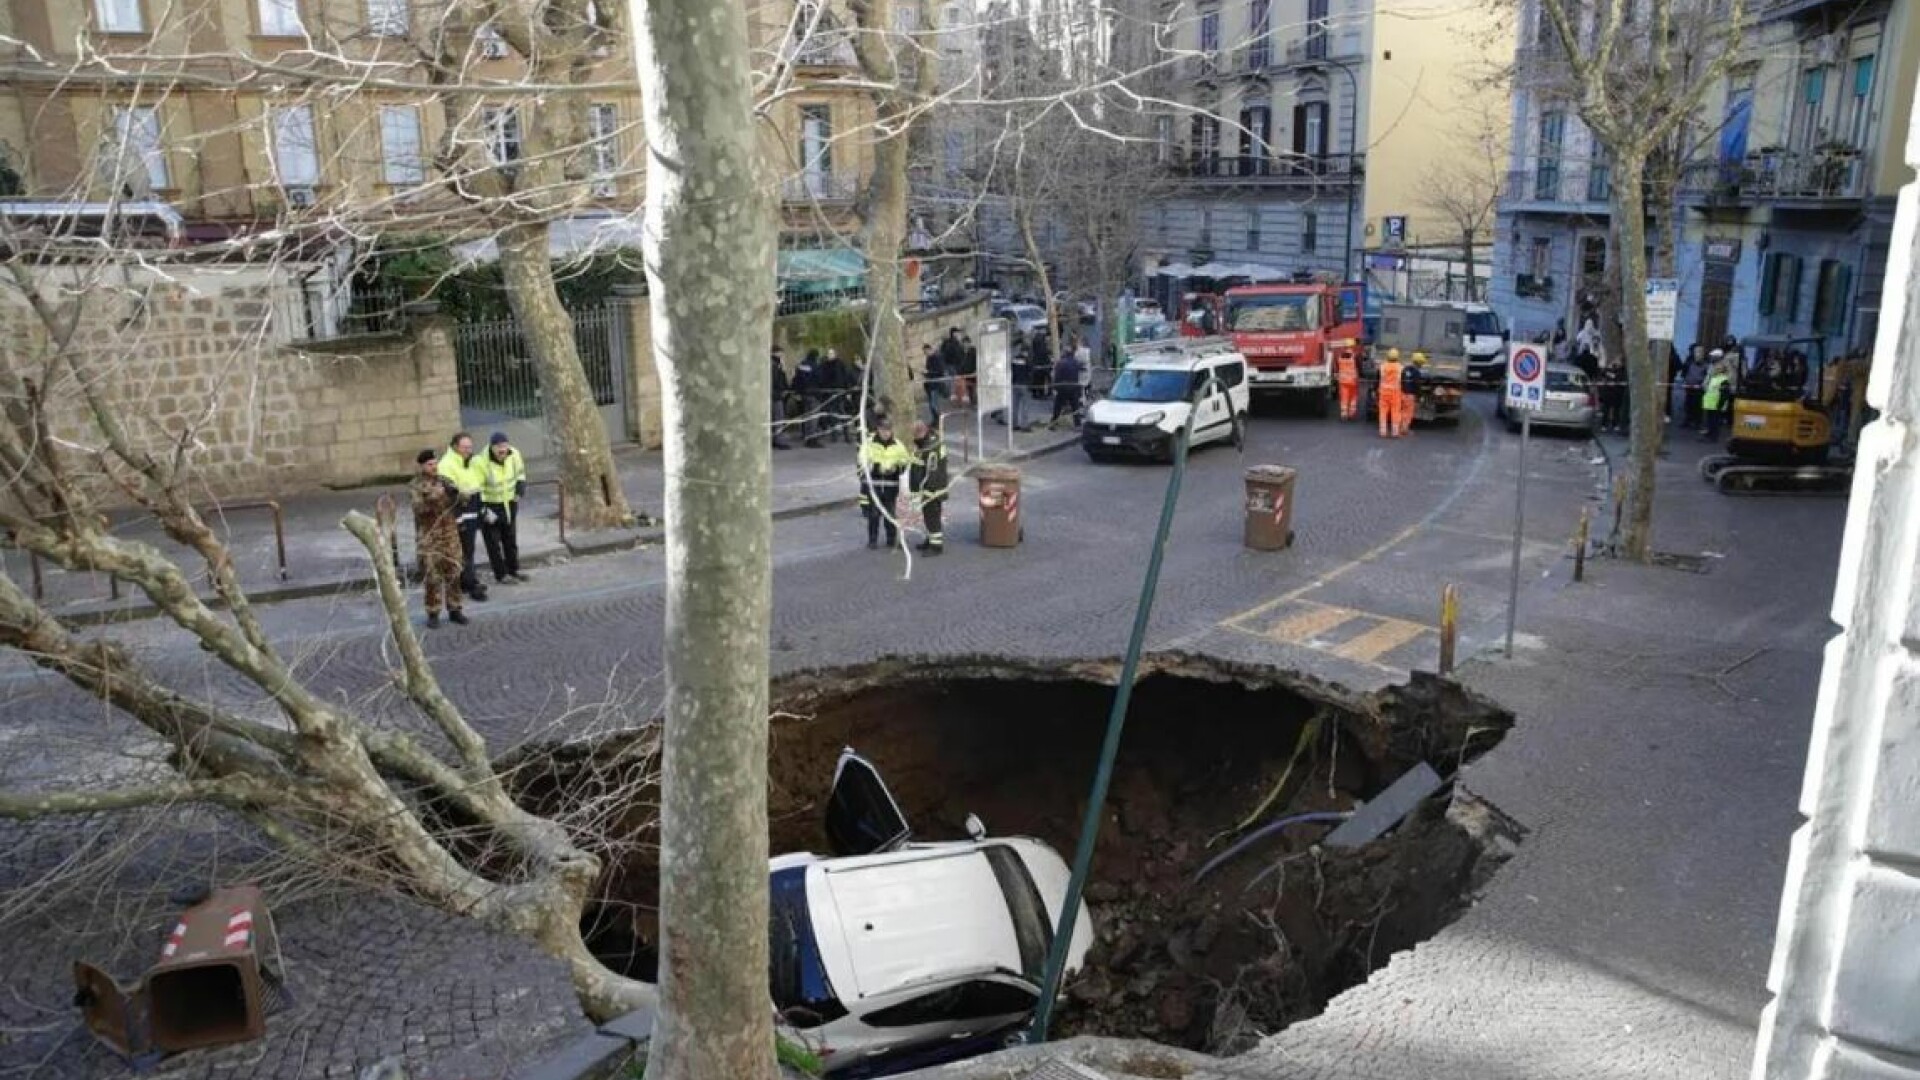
[(893, 955)]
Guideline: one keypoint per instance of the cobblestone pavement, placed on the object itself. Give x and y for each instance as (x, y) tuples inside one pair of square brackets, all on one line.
[(1659, 801)]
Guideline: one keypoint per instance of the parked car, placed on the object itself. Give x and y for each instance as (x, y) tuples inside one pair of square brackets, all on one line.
[(1569, 403), (896, 955), (1161, 385), (1026, 317), (1149, 321)]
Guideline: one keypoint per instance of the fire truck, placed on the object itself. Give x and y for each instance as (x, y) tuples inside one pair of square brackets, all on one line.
[(1289, 334)]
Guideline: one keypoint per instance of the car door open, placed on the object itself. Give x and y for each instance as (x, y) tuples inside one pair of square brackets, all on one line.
[(862, 817)]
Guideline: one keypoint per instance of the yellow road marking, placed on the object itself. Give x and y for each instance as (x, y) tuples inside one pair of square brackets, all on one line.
[(1304, 626), (1379, 641)]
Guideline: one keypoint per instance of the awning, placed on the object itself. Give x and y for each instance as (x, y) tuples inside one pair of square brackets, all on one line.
[(1178, 270), (818, 270)]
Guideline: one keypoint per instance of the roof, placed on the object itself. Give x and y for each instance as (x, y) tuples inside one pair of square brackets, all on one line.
[(909, 917)]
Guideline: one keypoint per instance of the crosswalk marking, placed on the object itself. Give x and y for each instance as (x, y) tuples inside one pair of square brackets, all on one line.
[(1379, 641), (1347, 633), (1306, 625)]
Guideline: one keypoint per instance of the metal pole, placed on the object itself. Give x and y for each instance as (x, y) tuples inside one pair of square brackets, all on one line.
[(1519, 526), (1580, 544), (1449, 626), (1116, 722)]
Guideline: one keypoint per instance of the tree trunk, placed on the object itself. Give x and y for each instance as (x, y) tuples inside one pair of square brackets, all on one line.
[(587, 473), (710, 260), (1630, 225), (1023, 216), (883, 237)]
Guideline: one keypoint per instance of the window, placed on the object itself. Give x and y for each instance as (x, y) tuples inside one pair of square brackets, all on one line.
[(400, 162), (816, 147), (1540, 257), (296, 160), (1309, 233), (976, 1000), (1256, 127), (1310, 129), (1809, 124), (1206, 227), (1206, 141), (1860, 102), (1599, 175), (1316, 29), (1253, 230), (801, 990), (1830, 297), (1593, 257), (1546, 175), (388, 18), (281, 18), (1260, 47), (1283, 312), (1210, 33), (603, 126), (1780, 286), (1163, 137), (119, 16), (502, 126), (138, 133), (1231, 375)]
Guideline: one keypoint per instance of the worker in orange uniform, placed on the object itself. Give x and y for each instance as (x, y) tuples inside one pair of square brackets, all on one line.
[(1388, 397), (1346, 374)]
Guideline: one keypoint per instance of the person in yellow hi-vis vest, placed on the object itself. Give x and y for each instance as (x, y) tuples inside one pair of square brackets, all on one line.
[(501, 489), (1387, 399), (467, 471)]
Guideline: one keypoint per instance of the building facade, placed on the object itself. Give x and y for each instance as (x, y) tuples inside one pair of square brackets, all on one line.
[(1304, 128)]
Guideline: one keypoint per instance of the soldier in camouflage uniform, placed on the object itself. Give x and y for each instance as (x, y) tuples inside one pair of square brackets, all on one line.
[(436, 537)]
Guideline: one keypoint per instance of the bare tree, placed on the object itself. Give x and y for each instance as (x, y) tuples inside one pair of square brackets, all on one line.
[(1464, 189), (1637, 74), (710, 257)]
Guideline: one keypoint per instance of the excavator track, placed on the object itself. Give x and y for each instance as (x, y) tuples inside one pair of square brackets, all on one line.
[(1753, 480)]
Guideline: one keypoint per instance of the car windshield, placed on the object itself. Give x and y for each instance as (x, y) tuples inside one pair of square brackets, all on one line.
[(1146, 307), (801, 991), (1032, 929), (1150, 384), (1299, 311), (1483, 324), (1566, 381)]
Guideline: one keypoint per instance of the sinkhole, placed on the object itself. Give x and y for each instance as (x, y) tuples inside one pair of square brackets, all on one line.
[(1212, 752)]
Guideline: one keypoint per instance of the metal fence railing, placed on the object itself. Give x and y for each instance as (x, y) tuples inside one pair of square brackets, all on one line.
[(498, 377)]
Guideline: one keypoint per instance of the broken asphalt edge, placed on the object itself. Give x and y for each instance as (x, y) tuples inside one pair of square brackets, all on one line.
[(597, 1055), (592, 542)]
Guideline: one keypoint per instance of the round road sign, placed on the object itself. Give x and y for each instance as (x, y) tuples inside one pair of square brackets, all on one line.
[(1526, 364)]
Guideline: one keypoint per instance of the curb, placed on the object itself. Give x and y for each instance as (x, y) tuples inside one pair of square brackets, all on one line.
[(595, 1056), (597, 542)]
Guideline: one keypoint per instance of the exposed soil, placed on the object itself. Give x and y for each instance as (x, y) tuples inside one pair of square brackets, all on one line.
[(1264, 940)]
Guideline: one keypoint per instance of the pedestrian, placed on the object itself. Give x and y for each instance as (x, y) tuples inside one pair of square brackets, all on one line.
[(969, 366), (806, 387), (1346, 375), (953, 361), (837, 381), (1613, 396), (468, 474), (503, 486), (1411, 376), (933, 369), (1039, 363), (881, 461), (1716, 397), (436, 537), (1674, 367), (1387, 396), (1066, 386), (1693, 380), (777, 408), (930, 482)]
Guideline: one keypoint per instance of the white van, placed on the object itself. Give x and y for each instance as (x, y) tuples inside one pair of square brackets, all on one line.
[(1484, 340), (1161, 386)]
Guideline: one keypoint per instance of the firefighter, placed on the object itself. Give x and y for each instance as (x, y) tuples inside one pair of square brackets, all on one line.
[(882, 461), (1388, 395), (1346, 373), (930, 485), (436, 538)]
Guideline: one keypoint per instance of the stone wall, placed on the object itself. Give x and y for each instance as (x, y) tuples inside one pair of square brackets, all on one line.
[(209, 366)]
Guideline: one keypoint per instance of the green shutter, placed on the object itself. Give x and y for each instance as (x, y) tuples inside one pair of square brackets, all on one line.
[(1769, 276), (1790, 303), (1831, 318)]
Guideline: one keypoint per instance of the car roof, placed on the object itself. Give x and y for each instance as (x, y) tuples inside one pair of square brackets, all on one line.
[(1184, 363), (890, 922)]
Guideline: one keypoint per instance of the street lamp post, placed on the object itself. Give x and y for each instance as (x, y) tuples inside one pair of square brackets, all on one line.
[(1353, 134)]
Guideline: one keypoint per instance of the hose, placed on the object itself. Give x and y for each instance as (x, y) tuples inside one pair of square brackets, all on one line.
[(1264, 831)]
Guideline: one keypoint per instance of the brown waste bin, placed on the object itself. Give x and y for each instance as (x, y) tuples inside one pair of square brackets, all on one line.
[(1269, 507), (999, 506)]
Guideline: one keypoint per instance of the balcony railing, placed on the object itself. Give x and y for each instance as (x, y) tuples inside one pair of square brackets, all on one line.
[(1271, 169), (1837, 172), (1201, 67), (820, 187), (1539, 63)]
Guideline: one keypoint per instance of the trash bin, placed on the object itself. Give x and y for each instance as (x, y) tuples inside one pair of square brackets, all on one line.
[(207, 989), (999, 506), (1269, 507)]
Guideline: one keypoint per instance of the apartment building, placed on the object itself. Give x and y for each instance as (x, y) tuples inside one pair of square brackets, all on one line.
[(1785, 200), (1302, 127)]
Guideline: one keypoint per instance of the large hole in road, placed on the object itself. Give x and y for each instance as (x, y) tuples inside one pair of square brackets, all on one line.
[(1267, 938)]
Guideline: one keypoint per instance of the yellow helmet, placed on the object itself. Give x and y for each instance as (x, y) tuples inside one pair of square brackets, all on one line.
[(1393, 354), (1419, 359)]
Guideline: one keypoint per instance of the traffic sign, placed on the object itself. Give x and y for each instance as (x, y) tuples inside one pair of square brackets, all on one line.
[(1663, 308), (1526, 376)]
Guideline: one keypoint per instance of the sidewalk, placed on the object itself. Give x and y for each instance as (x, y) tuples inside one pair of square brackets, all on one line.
[(321, 558)]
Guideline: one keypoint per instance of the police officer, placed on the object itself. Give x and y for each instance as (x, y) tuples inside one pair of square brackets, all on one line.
[(436, 537), (930, 484), (503, 485), (882, 460), (467, 473)]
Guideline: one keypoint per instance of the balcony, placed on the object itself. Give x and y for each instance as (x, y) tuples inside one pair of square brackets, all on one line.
[(1542, 63), (1288, 170), (1556, 189), (820, 187), (1205, 67), (1831, 176), (1308, 50)]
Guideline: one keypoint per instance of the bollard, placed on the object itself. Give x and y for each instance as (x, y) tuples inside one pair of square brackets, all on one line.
[(1449, 626), (1580, 544)]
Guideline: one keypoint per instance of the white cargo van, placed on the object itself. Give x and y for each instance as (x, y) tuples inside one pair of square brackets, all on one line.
[(1160, 387)]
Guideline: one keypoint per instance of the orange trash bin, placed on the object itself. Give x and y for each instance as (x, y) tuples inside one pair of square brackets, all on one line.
[(999, 506)]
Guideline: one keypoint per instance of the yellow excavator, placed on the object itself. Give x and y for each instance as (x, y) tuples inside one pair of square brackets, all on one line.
[(1781, 440)]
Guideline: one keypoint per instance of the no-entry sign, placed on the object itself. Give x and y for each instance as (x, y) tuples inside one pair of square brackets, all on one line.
[(1526, 376)]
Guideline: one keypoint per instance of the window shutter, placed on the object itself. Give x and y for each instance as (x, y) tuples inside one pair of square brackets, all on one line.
[(1299, 129), (1790, 303), (1842, 284), (1769, 280)]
